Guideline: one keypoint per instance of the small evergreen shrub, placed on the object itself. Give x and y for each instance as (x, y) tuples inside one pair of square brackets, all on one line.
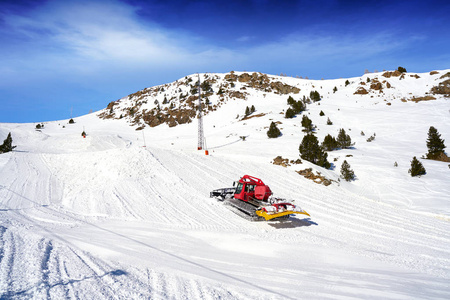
[(307, 124), (71, 121), (315, 96), (346, 172), (321, 113), (334, 90), (289, 113), (347, 82), (296, 107), (7, 144), (273, 132), (401, 70), (329, 122), (329, 143), (344, 139), (311, 151), (417, 169), (434, 143), (290, 100), (371, 138)]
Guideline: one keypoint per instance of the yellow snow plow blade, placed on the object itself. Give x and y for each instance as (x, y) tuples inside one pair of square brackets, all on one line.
[(270, 216)]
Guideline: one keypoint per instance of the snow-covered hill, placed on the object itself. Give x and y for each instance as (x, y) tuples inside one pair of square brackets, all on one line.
[(106, 217)]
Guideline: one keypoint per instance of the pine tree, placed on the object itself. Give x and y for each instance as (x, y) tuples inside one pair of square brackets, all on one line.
[(7, 144), (321, 113), (290, 100), (298, 107), (314, 95), (252, 109), (329, 122), (307, 124), (417, 168), (344, 139), (434, 143), (346, 172), (289, 113), (273, 132), (347, 82), (247, 111), (334, 90), (311, 151), (329, 143)]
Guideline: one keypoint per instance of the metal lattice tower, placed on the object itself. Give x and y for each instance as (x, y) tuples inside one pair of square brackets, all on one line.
[(200, 117)]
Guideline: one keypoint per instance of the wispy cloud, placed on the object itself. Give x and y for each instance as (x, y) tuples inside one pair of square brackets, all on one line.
[(94, 36)]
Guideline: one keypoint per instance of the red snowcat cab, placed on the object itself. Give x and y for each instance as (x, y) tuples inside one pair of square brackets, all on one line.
[(253, 198)]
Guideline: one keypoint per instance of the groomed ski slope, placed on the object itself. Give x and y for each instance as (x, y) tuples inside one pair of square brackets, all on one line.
[(105, 217)]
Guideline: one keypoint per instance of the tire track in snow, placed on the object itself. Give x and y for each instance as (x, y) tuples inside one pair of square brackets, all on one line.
[(2, 243), (45, 267), (35, 185), (6, 265), (190, 184), (175, 188)]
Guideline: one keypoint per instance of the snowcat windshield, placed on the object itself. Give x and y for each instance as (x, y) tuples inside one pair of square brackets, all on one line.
[(239, 188)]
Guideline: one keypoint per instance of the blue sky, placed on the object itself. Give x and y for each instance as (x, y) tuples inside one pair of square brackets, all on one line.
[(63, 56)]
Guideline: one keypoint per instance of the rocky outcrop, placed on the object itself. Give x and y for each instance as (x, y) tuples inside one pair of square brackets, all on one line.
[(262, 82), (361, 91), (424, 98), (390, 74), (317, 178), (376, 85), (283, 88), (284, 162), (442, 89)]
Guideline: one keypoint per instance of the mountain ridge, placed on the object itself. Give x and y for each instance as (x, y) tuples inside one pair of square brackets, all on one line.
[(175, 103)]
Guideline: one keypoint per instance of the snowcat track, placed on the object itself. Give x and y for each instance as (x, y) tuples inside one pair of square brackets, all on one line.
[(244, 209)]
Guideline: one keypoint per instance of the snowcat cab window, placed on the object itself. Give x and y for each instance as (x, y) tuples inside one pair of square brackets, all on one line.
[(239, 188)]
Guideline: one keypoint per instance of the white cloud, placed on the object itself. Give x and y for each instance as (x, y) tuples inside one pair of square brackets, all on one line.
[(106, 32), (306, 47), (91, 37)]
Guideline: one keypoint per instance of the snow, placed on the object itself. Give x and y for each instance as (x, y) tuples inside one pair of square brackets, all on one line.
[(104, 217)]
